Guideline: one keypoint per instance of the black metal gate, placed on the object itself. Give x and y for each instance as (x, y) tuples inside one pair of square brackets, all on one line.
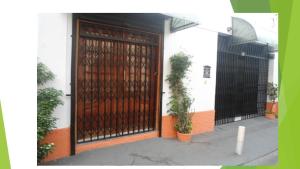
[(242, 77)]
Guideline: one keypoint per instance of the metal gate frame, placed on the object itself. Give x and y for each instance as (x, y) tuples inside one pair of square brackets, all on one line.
[(232, 101), (158, 106)]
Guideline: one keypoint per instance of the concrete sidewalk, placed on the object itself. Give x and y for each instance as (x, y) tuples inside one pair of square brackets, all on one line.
[(216, 148)]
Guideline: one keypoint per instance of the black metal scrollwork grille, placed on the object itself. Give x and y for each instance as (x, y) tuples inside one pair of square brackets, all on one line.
[(116, 83), (242, 76)]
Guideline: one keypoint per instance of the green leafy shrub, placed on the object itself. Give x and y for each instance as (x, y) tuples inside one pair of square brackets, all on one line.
[(43, 74), (272, 91), (180, 101), (47, 100)]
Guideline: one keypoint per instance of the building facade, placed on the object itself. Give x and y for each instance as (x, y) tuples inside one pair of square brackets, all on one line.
[(112, 69)]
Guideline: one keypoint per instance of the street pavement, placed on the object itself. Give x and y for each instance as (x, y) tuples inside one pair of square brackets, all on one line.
[(214, 148)]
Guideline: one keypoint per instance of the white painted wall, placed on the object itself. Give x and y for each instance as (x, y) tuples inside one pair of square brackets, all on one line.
[(202, 45), (273, 69), (54, 50)]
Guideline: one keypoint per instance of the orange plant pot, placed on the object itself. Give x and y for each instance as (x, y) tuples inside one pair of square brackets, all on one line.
[(184, 137), (270, 116)]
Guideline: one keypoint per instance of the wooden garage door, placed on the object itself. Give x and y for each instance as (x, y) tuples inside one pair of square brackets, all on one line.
[(116, 81)]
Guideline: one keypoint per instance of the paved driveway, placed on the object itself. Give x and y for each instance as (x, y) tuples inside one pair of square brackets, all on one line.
[(215, 148)]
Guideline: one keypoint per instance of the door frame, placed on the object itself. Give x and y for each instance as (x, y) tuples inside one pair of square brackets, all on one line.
[(159, 85)]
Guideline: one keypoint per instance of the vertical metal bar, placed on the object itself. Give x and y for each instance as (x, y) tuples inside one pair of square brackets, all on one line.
[(129, 87), (98, 87), (149, 89), (140, 86), (105, 88), (236, 93), (84, 76), (145, 82), (161, 60), (117, 92), (123, 112), (74, 85), (91, 52), (134, 89), (155, 63), (111, 88)]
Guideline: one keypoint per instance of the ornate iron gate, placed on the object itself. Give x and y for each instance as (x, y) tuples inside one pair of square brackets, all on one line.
[(242, 76), (115, 81)]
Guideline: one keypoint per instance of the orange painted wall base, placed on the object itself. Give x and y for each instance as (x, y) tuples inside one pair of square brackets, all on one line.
[(115, 141), (202, 122), (61, 139)]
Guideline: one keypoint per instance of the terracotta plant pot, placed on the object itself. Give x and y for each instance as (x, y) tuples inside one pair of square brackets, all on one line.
[(270, 116), (184, 137)]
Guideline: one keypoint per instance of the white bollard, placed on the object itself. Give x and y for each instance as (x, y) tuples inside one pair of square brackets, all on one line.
[(240, 140)]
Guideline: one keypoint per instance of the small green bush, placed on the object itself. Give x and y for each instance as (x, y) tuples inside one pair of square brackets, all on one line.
[(272, 91), (180, 100), (47, 100)]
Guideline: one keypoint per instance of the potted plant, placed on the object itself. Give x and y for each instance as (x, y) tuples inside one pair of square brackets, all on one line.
[(183, 124), (180, 100), (272, 91)]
